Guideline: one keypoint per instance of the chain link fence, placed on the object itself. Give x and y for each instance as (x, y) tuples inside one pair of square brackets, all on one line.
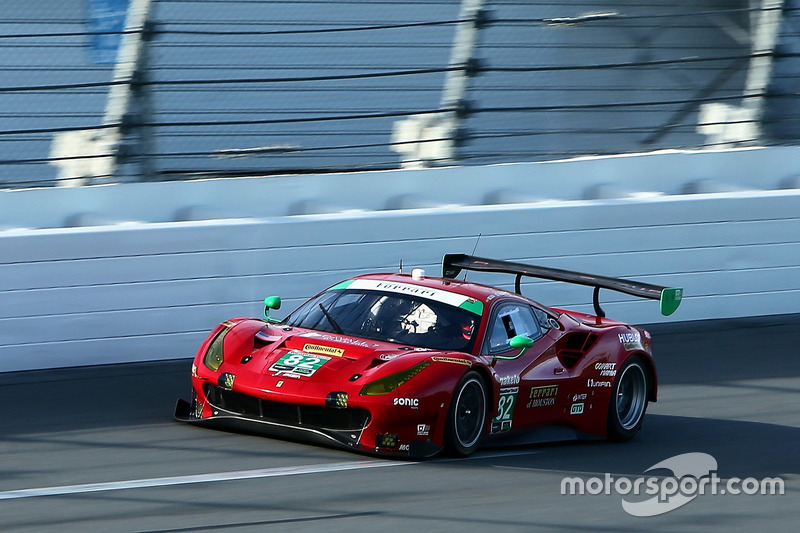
[(213, 88)]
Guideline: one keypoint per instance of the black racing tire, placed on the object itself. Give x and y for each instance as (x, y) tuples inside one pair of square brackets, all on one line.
[(466, 417), (629, 399)]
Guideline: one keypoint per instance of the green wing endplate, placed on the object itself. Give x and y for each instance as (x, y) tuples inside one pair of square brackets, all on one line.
[(670, 300)]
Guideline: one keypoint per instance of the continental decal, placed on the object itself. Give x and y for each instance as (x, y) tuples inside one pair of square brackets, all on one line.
[(324, 350), (455, 360)]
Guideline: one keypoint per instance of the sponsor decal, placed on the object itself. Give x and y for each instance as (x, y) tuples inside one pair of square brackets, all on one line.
[(578, 397), (509, 380), (324, 350), (337, 338), (455, 360), (592, 383), (408, 402), (544, 396), (544, 391), (423, 430), (500, 427), (279, 384), (606, 369), (298, 364), (630, 341), (445, 297), (576, 409), (403, 447), (541, 402)]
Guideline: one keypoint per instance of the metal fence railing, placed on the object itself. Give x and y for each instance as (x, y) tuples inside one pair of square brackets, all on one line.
[(235, 88)]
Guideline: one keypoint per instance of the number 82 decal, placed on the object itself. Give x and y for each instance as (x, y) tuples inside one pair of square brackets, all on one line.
[(299, 363), (505, 404)]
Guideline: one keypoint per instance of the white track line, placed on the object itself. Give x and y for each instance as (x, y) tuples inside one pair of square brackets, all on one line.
[(222, 476), (196, 478)]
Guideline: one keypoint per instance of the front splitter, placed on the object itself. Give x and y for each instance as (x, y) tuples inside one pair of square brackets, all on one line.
[(348, 440)]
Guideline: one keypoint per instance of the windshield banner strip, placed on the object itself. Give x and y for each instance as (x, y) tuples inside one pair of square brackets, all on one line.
[(450, 298)]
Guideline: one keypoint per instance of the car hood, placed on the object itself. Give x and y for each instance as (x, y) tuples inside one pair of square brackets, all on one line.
[(299, 358)]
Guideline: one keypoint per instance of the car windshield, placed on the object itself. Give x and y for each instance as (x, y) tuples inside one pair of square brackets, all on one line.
[(390, 317)]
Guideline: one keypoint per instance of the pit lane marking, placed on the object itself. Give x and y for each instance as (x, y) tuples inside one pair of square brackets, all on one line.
[(237, 475)]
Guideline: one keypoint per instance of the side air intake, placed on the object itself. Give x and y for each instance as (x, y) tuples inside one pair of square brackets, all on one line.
[(574, 346)]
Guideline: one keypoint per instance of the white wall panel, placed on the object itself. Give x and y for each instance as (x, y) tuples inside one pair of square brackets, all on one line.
[(149, 291)]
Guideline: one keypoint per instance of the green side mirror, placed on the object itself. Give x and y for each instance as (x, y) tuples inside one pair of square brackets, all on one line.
[(272, 302), (520, 342)]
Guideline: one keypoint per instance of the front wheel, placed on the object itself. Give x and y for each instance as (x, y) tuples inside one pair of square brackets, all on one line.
[(629, 400), (466, 417)]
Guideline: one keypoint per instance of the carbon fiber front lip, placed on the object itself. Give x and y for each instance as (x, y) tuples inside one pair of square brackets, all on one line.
[(348, 440), (231, 420)]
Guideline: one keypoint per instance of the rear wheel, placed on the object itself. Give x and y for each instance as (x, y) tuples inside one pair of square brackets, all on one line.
[(467, 416), (629, 400)]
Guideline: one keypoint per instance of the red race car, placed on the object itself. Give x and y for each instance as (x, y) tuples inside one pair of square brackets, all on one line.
[(409, 365)]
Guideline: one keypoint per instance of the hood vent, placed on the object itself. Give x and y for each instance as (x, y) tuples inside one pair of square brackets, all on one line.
[(375, 362), (262, 339)]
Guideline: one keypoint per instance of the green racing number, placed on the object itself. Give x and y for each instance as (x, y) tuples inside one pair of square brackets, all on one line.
[(299, 363), (505, 409)]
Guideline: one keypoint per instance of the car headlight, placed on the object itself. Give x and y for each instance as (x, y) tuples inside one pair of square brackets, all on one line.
[(214, 355), (389, 383)]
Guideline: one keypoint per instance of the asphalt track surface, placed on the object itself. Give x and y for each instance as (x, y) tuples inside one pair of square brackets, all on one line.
[(95, 449)]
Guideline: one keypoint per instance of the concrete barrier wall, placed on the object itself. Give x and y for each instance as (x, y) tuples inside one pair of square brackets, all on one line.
[(667, 173), (149, 291)]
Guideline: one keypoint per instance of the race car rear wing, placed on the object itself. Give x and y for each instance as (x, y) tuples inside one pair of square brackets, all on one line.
[(669, 297)]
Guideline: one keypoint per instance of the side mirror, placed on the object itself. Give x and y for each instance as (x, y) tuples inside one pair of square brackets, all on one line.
[(520, 342), (272, 302)]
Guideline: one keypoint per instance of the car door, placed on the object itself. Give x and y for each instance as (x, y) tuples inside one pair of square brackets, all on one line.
[(530, 383)]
